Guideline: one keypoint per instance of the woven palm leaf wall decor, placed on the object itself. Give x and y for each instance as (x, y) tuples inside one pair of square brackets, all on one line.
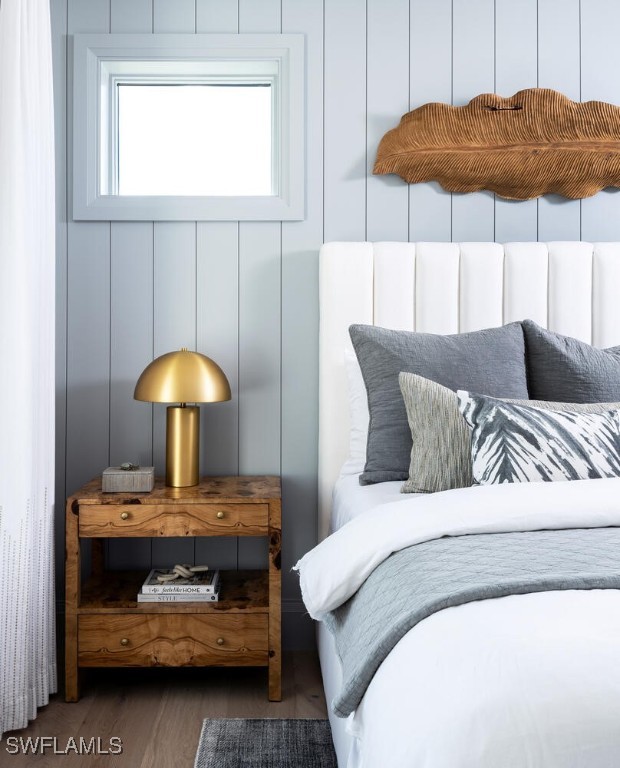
[(534, 142)]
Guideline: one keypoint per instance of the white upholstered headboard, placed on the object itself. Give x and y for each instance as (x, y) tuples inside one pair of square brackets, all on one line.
[(569, 287)]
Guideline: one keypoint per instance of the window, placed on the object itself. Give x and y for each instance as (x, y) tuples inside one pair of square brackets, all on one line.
[(209, 139), (188, 127)]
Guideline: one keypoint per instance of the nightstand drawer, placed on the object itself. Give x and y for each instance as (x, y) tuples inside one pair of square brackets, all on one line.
[(130, 640), (173, 520)]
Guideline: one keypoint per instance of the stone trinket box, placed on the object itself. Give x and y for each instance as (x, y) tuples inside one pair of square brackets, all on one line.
[(128, 478)]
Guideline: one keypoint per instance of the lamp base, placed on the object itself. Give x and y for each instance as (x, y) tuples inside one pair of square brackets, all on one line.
[(182, 440)]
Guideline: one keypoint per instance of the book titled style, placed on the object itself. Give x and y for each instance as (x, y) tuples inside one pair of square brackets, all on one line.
[(182, 598)]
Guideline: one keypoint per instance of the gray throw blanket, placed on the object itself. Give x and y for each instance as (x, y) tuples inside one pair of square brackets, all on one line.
[(423, 579)]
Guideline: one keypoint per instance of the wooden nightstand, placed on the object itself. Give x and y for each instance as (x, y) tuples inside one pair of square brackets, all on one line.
[(107, 627)]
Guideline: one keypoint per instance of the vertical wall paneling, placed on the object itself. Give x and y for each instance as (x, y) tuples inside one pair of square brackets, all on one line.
[(131, 345), (473, 48), (217, 15), (430, 79), (260, 263), (515, 69), (599, 24), (217, 314), (88, 16), (88, 352), (264, 16), (59, 54), (387, 66), (259, 363), (131, 15), (559, 65), (174, 15), (300, 321), (559, 68), (345, 120), (217, 337), (600, 20), (515, 46), (473, 51), (174, 304)]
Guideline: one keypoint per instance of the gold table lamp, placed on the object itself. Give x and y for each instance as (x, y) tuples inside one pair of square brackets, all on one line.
[(182, 377)]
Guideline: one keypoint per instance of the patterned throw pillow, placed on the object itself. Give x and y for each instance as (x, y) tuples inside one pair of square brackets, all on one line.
[(441, 443), (515, 443)]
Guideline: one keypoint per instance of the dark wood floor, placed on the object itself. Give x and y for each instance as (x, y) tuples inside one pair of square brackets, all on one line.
[(158, 713)]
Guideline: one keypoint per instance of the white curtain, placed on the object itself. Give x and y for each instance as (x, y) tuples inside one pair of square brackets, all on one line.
[(27, 629)]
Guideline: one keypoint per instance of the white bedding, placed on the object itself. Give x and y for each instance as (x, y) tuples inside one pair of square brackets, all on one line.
[(528, 681), (524, 681), (351, 498)]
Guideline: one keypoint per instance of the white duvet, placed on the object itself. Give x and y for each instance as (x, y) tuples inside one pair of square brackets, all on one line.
[(529, 681)]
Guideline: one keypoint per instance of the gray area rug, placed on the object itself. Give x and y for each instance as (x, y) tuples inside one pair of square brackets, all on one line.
[(270, 743)]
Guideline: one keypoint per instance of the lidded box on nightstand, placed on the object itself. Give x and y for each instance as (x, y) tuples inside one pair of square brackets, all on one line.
[(133, 478)]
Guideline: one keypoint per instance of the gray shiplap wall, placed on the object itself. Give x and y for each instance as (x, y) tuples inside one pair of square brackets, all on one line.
[(246, 293)]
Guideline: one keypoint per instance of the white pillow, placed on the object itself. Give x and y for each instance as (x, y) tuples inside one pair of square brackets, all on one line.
[(358, 416)]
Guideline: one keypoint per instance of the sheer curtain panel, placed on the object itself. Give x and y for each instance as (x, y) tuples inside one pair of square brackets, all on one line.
[(27, 276)]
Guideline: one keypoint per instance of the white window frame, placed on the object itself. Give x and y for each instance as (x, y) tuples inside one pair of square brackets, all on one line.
[(103, 61)]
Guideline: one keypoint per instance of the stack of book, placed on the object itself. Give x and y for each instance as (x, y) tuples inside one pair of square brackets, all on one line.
[(199, 587)]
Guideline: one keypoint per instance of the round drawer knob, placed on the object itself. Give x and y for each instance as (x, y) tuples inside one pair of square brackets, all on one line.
[(124, 515), (220, 641), (220, 515), (124, 641)]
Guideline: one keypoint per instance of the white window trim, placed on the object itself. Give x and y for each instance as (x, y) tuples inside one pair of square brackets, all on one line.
[(100, 59)]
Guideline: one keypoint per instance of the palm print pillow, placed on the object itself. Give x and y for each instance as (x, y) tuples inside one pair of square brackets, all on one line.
[(519, 444)]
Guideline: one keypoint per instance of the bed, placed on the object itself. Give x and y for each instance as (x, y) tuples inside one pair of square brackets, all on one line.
[(546, 697)]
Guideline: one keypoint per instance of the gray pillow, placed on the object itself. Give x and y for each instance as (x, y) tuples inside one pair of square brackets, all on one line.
[(562, 368), (491, 361), (441, 449), (517, 444)]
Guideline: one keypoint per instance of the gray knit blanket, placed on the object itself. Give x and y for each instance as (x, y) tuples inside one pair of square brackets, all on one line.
[(418, 581)]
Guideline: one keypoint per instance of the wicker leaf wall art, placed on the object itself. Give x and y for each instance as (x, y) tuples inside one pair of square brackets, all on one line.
[(535, 142)]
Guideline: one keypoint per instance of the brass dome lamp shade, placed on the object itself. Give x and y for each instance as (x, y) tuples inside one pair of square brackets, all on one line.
[(182, 377)]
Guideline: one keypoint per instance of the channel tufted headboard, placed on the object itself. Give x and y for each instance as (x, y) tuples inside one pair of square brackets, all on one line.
[(569, 287)]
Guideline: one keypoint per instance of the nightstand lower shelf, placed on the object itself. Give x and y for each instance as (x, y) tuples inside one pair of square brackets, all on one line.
[(115, 592)]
